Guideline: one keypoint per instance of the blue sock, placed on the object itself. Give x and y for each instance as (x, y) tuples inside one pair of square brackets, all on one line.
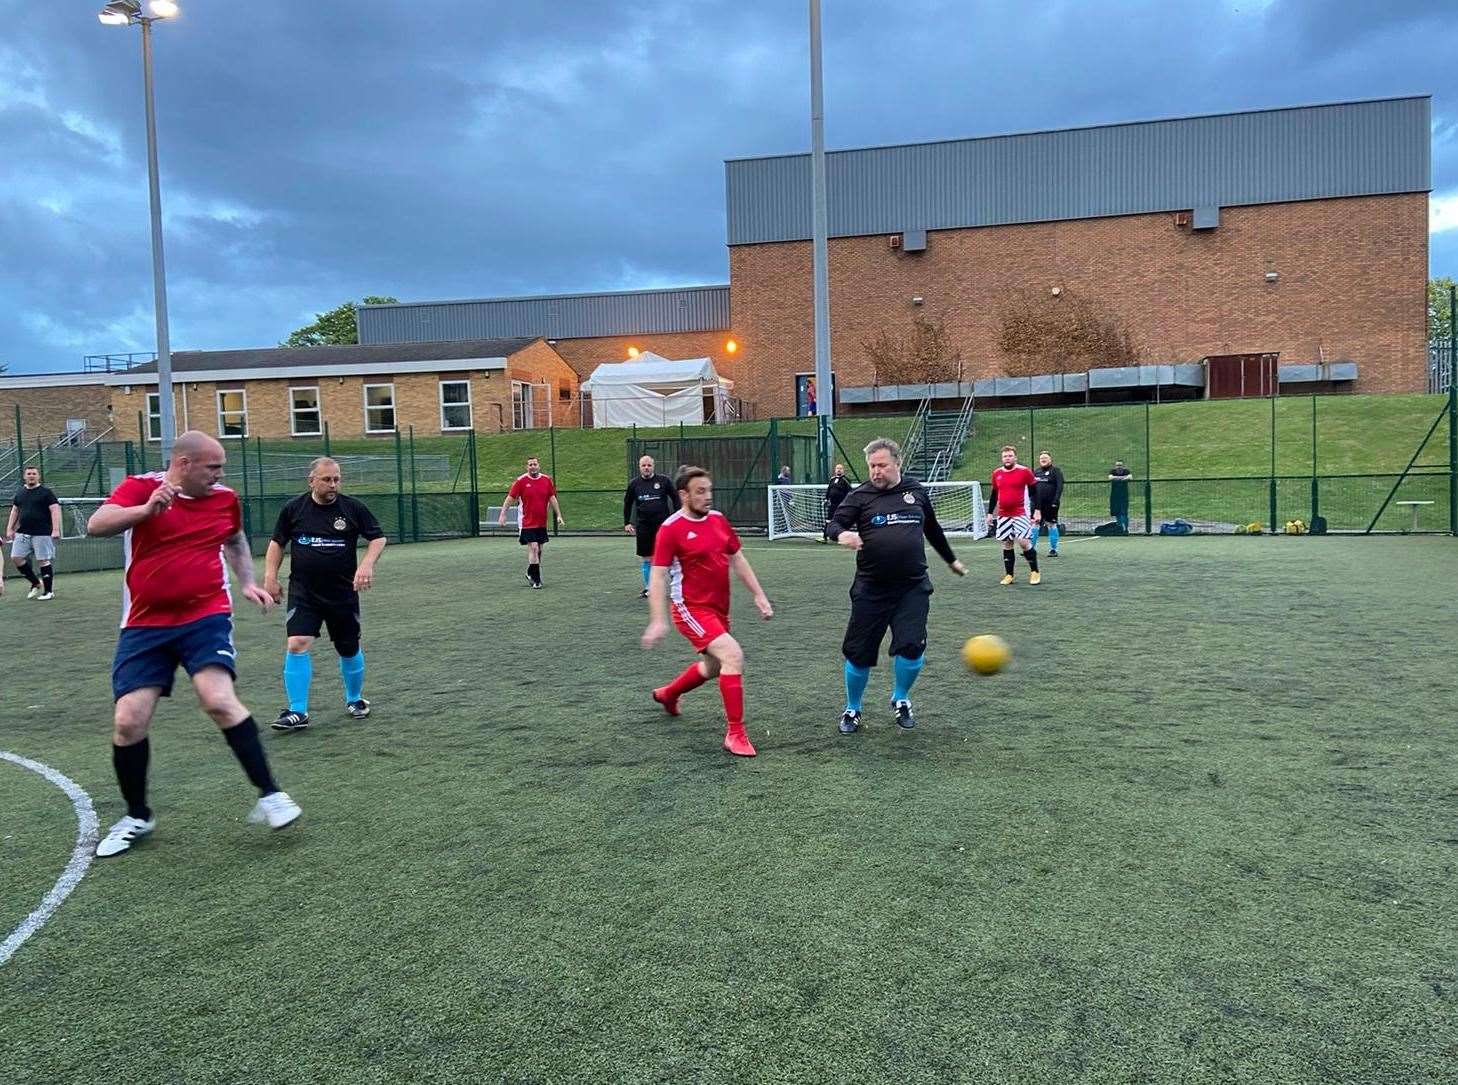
[(1033, 539), (855, 685), (351, 669), (906, 671), (1053, 537), (647, 568), (298, 673)]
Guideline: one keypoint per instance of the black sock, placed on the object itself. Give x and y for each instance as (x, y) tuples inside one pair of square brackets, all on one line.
[(47, 577), (130, 763), (534, 572), (1032, 556), (29, 574), (1008, 561), (243, 738)]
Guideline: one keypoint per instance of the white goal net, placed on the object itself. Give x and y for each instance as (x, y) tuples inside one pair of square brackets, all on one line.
[(799, 512)]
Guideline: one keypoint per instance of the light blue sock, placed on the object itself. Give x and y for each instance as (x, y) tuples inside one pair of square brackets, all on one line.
[(1033, 539), (351, 669), (1053, 537), (298, 673), (855, 685), (647, 568), (905, 671)]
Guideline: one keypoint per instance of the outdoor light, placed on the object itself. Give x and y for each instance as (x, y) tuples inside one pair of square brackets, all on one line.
[(633, 352), (119, 12), (730, 347), (162, 9), (1272, 276)]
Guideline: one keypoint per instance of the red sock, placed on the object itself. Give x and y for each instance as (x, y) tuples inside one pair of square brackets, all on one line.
[(731, 688), (692, 678)]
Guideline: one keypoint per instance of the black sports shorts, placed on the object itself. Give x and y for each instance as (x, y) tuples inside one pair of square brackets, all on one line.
[(647, 536), (532, 535), (1049, 513), (876, 607), (306, 616)]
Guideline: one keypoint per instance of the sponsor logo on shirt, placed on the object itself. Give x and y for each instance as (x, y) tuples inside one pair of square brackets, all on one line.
[(339, 524), (319, 542), (692, 535), (910, 499), (894, 518)]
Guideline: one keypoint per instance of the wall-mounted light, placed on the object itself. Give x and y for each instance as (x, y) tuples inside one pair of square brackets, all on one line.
[(1272, 276), (917, 299), (633, 352), (730, 347), (1057, 291)]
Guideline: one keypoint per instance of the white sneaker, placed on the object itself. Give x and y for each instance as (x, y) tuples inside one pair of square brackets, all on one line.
[(123, 834), (34, 593), (277, 810), (46, 595)]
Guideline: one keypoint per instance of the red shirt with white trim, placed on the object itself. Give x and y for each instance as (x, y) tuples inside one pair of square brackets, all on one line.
[(174, 561), (1011, 486), (534, 494), (696, 553)]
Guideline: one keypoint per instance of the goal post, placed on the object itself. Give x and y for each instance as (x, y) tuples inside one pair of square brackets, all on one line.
[(798, 512)]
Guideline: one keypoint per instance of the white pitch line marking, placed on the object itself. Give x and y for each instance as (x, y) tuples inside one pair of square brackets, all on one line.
[(86, 833)]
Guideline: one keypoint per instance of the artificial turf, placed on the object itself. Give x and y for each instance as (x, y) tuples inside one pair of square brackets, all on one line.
[(1203, 830)]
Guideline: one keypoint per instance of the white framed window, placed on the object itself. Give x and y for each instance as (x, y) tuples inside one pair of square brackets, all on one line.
[(379, 408), (455, 405), (305, 417), (232, 412), (154, 416)]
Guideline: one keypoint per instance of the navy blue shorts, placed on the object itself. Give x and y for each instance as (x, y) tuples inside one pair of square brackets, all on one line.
[(149, 655)]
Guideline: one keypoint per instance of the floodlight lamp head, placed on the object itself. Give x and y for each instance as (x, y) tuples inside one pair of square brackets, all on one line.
[(119, 12), (162, 9)]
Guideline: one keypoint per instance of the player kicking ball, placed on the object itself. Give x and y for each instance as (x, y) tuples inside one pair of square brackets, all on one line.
[(695, 550), (1013, 487)]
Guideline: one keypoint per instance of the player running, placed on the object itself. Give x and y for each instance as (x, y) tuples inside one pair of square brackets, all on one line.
[(34, 527), (322, 529), (654, 499), (1012, 487), (535, 491), (1047, 496), (696, 549), (886, 521), (179, 526)]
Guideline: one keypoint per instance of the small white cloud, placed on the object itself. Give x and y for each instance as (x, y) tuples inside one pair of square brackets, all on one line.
[(1443, 213)]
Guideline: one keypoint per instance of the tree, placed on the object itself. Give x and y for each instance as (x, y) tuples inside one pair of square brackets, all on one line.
[(337, 327), (1439, 319), (1041, 333), (923, 355)]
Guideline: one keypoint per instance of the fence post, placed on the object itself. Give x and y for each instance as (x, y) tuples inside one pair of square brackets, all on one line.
[(19, 439), (1315, 485), (399, 488), (1273, 465), (774, 447), (101, 487), (326, 438), (127, 455), (262, 478), (1148, 477), (1453, 410), (40, 456), (552, 444), (474, 504), (1032, 437), (414, 492), (247, 516), (141, 441)]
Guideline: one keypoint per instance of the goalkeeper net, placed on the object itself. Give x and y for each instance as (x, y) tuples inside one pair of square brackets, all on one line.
[(800, 512), (75, 511)]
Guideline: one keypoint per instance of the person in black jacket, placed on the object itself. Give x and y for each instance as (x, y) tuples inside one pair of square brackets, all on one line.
[(887, 522), (835, 492), (652, 499), (1047, 496)]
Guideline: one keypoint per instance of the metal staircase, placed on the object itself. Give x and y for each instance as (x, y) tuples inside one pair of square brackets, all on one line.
[(937, 438)]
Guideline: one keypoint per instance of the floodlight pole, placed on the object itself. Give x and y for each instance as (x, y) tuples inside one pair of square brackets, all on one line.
[(824, 382), (159, 273)]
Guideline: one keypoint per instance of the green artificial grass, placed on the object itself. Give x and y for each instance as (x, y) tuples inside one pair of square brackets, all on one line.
[(1202, 829)]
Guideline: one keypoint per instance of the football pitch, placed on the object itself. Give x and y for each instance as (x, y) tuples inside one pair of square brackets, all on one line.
[(1203, 829)]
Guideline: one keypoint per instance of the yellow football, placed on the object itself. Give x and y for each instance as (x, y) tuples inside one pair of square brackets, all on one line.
[(986, 654)]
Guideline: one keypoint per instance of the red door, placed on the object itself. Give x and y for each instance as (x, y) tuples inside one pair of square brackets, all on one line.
[(1240, 376)]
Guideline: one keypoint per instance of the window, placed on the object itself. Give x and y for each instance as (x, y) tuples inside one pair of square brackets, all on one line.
[(232, 413), (455, 404), (305, 419), (379, 407), (154, 416)]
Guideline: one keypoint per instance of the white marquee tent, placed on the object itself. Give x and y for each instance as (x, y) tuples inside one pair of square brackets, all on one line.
[(653, 391)]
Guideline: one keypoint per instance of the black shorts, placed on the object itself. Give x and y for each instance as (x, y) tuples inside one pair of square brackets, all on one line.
[(306, 616), (1049, 513), (874, 608), (647, 535), (532, 535)]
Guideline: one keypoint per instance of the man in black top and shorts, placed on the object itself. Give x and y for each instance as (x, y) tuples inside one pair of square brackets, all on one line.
[(322, 528), (34, 526), (653, 498), (835, 492), (1047, 495)]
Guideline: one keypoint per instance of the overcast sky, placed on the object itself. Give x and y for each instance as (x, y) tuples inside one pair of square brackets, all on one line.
[(323, 150)]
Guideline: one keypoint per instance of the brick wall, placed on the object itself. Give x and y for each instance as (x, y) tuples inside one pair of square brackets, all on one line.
[(1352, 284), (44, 411), (539, 364)]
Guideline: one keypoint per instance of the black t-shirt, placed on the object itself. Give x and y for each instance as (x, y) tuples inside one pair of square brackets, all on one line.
[(1120, 480), (653, 498), (1049, 490), (323, 540), (835, 491), (892, 525), (35, 510)]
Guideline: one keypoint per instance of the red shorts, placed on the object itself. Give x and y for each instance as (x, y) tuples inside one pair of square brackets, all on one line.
[(701, 625)]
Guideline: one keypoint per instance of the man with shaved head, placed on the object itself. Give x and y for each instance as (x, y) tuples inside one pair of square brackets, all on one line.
[(650, 499), (180, 525), (322, 529)]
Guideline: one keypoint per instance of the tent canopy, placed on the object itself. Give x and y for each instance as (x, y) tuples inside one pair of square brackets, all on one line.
[(654, 391), (649, 370)]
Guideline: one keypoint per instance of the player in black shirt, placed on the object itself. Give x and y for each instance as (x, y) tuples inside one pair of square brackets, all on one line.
[(652, 499), (885, 521), (34, 526), (322, 529), (835, 491), (1047, 496)]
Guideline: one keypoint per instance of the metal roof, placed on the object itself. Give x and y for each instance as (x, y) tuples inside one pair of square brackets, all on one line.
[(1221, 160), (344, 357), (552, 316)]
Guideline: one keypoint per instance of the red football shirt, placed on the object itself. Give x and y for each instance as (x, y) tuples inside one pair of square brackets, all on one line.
[(534, 494), (696, 553), (174, 561), (1010, 486)]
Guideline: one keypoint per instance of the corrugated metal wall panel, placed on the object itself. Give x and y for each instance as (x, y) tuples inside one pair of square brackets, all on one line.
[(1274, 156), (564, 316)]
